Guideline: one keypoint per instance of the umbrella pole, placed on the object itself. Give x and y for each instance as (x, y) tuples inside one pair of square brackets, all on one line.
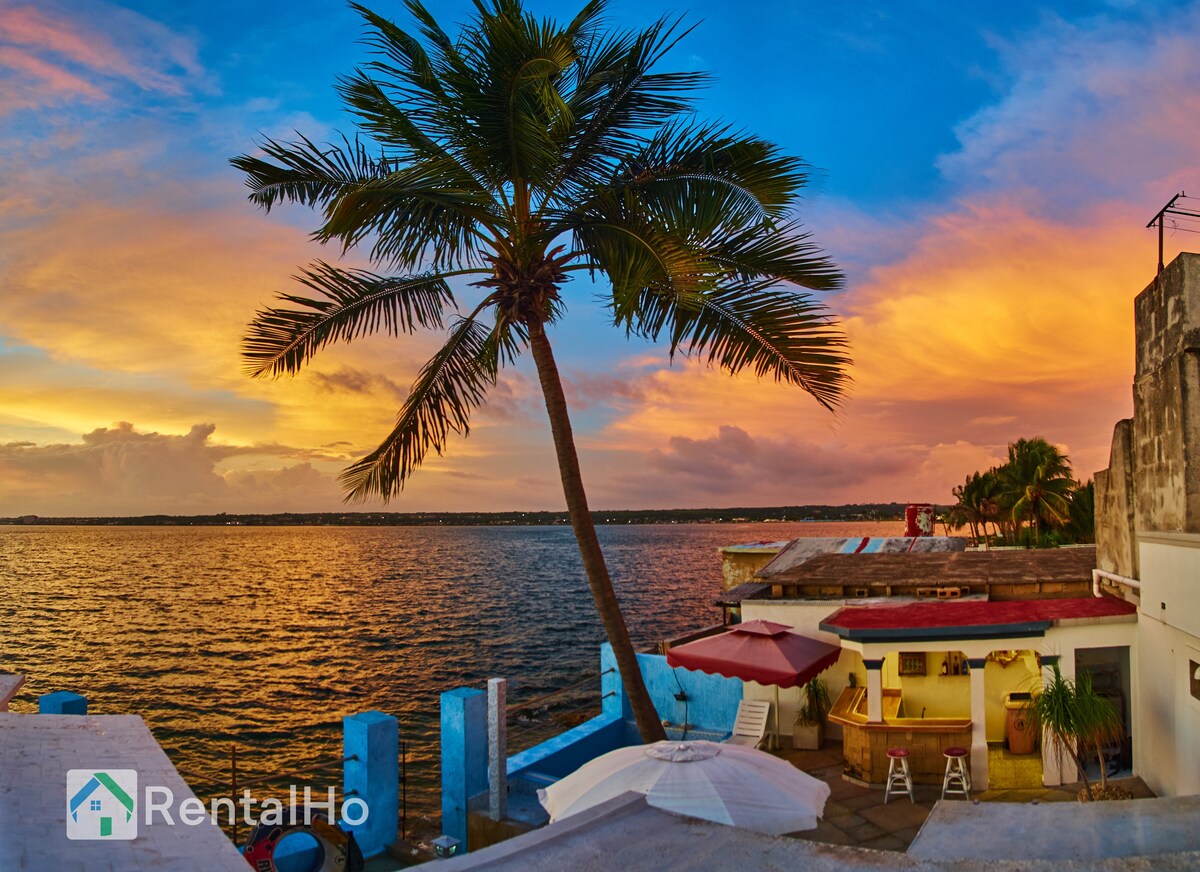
[(777, 717)]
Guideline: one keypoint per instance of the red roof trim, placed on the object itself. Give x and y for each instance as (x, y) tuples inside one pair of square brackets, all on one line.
[(973, 613)]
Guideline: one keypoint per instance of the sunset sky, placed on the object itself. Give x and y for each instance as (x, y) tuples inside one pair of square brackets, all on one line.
[(986, 172)]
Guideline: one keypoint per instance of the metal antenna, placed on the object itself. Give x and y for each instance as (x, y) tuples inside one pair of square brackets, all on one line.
[(1160, 220)]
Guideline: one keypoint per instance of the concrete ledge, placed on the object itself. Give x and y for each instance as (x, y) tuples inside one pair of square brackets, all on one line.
[(1059, 831), (627, 834)]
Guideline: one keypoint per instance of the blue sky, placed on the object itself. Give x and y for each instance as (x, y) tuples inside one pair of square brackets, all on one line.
[(983, 175)]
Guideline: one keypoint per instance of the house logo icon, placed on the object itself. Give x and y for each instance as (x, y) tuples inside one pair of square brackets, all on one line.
[(100, 805)]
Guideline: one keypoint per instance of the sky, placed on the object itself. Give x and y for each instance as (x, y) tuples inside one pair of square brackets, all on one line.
[(983, 175)]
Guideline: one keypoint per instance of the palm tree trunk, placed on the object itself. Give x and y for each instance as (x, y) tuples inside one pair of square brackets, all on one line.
[(644, 713)]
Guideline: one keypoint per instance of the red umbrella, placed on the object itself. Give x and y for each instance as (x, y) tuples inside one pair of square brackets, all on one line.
[(760, 651)]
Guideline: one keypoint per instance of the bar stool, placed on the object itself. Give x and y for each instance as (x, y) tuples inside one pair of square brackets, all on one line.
[(958, 779), (899, 776)]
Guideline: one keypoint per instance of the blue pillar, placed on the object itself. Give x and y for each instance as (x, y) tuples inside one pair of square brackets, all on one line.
[(464, 757), (62, 702), (371, 746)]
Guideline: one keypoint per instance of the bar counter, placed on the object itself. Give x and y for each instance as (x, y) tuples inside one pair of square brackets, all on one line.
[(865, 743)]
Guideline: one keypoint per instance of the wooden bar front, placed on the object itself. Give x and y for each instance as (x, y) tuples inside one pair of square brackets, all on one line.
[(865, 744)]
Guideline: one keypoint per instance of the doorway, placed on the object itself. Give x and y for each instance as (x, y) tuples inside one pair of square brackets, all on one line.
[(1108, 669)]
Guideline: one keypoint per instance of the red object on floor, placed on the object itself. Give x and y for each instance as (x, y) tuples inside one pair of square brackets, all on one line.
[(761, 651)]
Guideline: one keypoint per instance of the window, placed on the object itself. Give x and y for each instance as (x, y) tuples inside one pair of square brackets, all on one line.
[(95, 805)]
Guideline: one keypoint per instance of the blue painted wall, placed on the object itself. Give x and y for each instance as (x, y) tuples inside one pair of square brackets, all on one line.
[(711, 709), (567, 751), (712, 700)]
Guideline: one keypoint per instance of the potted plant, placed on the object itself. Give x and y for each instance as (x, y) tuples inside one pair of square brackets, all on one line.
[(1079, 722), (808, 730)]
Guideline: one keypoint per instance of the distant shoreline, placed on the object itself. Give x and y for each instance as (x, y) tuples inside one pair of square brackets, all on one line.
[(773, 514)]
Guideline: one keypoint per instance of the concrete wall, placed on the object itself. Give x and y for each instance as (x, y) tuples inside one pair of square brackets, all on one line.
[(1116, 549), (740, 563), (1020, 676), (1167, 723), (939, 696)]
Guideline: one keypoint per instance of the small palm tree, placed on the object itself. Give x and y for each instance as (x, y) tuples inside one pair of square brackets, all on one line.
[(1077, 721), (520, 153)]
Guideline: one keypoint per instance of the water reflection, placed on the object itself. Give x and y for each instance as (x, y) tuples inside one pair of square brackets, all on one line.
[(267, 636)]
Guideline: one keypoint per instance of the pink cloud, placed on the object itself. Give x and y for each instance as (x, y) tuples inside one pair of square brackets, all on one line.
[(47, 74), (56, 55)]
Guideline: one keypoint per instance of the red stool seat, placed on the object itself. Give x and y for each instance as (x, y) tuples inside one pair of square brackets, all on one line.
[(899, 776), (956, 752)]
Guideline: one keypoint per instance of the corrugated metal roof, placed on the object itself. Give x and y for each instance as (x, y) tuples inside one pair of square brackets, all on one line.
[(801, 551), (1048, 566), (749, 590)]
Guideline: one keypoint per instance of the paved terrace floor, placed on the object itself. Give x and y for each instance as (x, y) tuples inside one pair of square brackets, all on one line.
[(856, 816), (35, 753)]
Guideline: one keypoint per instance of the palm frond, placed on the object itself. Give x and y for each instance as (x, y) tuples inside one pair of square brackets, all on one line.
[(770, 331), (352, 303), (449, 387), (618, 98), (416, 215), (685, 160), (720, 299), (307, 174)]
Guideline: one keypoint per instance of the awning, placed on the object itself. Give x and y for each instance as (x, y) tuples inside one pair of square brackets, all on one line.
[(761, 651), (968, 619)]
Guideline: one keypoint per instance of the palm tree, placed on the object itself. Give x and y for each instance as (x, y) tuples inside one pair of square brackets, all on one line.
[(976, 503), (1082, 524), (1037, 481), (522, 152), (1077, 721)]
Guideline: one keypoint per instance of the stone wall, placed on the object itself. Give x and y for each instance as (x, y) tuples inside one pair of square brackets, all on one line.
[(1165, 392), (1153, 479), (1116, 550)]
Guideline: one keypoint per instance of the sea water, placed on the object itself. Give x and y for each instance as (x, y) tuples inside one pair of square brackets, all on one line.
[(263, 638)]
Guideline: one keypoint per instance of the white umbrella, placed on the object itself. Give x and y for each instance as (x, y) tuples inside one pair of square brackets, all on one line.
[(729, 784)]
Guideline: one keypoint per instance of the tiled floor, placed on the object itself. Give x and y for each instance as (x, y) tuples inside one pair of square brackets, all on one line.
[(1013, 771), (858, 816)]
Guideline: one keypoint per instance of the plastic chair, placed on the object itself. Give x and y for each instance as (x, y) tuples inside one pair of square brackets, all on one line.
[(750, 727)]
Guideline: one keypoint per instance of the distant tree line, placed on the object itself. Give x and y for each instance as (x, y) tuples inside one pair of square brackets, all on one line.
[(855, 512), (1034, 499)]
